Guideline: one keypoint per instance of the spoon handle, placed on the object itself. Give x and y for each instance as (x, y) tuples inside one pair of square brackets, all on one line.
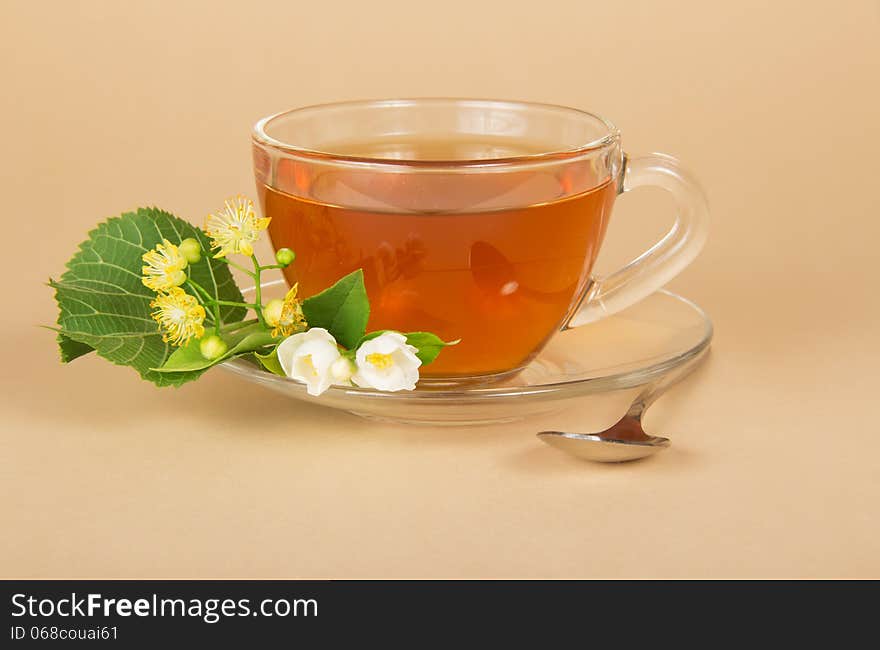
[(654, 390)]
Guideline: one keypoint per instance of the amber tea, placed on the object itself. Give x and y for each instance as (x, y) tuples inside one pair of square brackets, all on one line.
[(436, 255)]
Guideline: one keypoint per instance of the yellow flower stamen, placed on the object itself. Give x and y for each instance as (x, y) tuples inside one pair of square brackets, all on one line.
[(235, 228), (163, 267), (380, 361), (292, 318), (307, 360), (180, 316)]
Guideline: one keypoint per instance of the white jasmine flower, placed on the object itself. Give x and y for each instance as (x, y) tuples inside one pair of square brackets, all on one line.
[(342, 370), (387, 362), (308, 357)]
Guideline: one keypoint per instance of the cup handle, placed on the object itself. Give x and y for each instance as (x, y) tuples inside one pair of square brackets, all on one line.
[(664, 260)]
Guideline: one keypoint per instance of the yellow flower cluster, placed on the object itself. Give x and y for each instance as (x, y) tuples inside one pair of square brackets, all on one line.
[(235, 228), (180, 316), (164, 267), (286, 316)]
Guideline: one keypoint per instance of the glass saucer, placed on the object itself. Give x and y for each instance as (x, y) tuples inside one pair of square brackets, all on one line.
[(607, 366)]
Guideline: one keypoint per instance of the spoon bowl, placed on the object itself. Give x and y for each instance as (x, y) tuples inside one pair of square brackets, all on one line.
[(622, 442)]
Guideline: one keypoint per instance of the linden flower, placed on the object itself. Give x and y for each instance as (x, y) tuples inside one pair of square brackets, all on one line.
[(164, 267), (235, 228), (308, 357), (180, 316), (387, 362), (286, 317)]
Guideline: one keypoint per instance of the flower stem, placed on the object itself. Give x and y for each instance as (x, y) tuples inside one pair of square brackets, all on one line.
[(217, 322), (200, 290), (209, 300), (258, 297), (212, 302), (231, 303), (237, 326), (238, 266)]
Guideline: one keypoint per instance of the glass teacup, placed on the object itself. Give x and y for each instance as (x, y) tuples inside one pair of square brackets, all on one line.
[(479, 220)]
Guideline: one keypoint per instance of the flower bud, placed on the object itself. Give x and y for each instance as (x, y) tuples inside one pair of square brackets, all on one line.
[(212, 347), (285, 256), (272, 312), (342, 370), (176, 278), (191, 250)]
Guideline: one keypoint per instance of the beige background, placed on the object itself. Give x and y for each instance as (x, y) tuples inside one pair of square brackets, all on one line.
[(774, 469)]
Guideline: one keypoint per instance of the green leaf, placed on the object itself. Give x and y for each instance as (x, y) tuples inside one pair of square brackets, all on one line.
[(343, 309), (71, 349), (367, 337), (189, 358), (270, 362), (427, 345), (104, 306)]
